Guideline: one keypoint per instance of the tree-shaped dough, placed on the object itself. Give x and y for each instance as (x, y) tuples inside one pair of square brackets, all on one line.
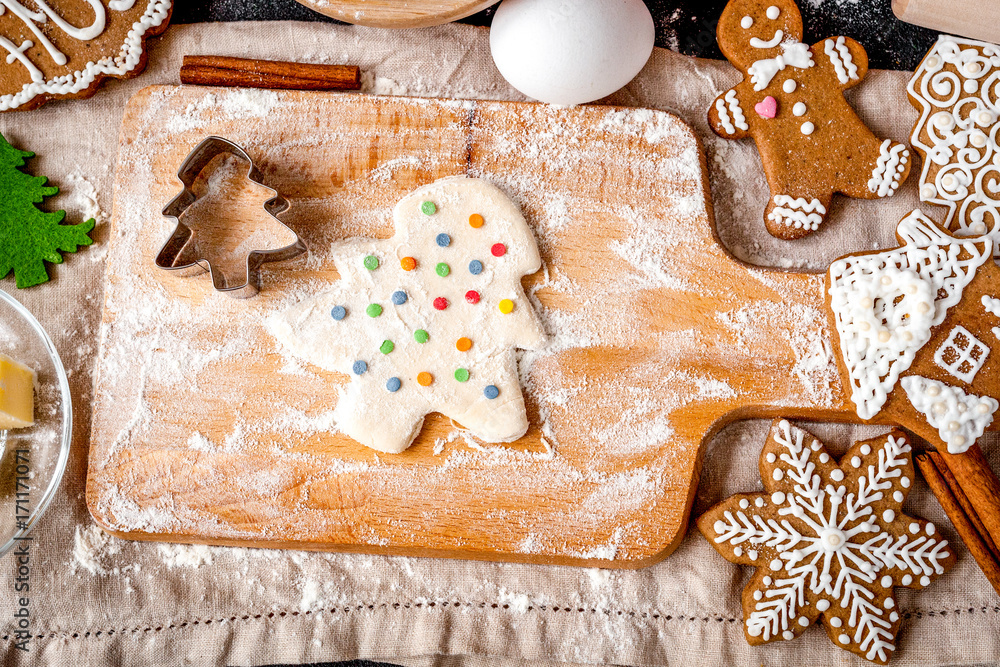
[(428, 320), (29, 237)]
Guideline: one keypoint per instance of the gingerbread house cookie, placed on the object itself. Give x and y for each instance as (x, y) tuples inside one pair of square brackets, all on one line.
[(791, 102), (918, 332), (60, 49), (955, 90)]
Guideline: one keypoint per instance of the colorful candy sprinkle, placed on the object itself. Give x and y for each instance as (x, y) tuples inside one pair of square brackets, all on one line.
[(399, 297), (408, 263), (373, 310), (442, 269), (506, 306), (498, 250), (371, 262), (475, 267), (338, 313), (359, 367), (440, 303), (425, 379), (462, 374), (443, 240), (393, 384), (428, 208), (421, 336), (491, 392), (472, 296), (463, 344), (387, 347), (476, 221)]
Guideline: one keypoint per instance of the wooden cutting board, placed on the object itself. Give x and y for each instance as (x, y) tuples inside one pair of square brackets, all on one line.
[(396, 14), (204, 431)]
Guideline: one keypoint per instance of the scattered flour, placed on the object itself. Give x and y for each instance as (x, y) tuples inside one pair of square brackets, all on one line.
[(185, 555)]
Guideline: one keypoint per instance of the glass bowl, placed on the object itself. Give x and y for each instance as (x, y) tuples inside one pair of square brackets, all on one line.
[(32, 459)]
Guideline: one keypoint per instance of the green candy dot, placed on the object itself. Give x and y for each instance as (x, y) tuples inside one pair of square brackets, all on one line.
[(428, 208), (462, 375), (373, 310), (442, 269), (387, 347), (421, 336), (371, 262)]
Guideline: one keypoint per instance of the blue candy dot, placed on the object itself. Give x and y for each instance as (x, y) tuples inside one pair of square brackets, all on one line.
[(338, 313), (393, 385), (443, 240), (399, 297), (475, 267), (360, 367), (491, 392)]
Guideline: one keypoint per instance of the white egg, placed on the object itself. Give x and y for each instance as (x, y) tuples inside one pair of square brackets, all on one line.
[(571, 51)]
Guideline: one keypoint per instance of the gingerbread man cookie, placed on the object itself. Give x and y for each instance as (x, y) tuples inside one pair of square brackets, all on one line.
[(916, 327), (829, 541), (791, 102)]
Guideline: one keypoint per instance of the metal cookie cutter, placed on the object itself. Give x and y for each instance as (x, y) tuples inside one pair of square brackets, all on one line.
[(183, 235)]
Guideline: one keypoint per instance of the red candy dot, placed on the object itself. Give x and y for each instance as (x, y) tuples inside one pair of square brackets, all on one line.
[(472, 296), (440, 303), (498, 250)]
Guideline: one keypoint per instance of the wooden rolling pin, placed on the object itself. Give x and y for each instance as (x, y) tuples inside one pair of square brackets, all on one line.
[(978, 19)]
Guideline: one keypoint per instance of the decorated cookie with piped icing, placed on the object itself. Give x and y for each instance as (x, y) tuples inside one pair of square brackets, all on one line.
[(956, 91), (791, 102), (428, 320), (829, 540), (64, 48), (917, 329)]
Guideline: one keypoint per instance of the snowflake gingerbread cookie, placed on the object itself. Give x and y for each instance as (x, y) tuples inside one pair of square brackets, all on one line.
[(829, 541), (916, 327), (428, 320), (956, 89), (791, 102)]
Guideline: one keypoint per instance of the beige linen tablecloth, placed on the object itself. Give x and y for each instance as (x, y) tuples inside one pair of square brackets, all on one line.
[(100, 600)]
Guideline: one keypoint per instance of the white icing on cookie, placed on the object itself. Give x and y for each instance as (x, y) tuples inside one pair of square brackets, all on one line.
[(840, 57), (797, 212), (758, 43), (955, 88), (128, 57), (796, 54), (799, 109), (789, 86), (746, 22), (962, 354), (453, 298), (727, 125), (885, 304), (960, 418), (807, 128), (831, 545), (888, 169), (739, 120)]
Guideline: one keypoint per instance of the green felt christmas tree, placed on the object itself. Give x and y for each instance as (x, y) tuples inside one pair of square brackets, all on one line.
[(29, 237)]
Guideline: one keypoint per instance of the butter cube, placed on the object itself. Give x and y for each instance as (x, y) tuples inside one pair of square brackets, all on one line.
[(17, 394)]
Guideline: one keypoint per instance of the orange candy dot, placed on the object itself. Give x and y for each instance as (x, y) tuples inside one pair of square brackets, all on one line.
[(408, 263), (425, 379), (506, 306), (463, 344), (476, 221)]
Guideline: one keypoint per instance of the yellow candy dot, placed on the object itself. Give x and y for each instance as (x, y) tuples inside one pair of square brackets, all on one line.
[(463, 344), (425, 379), (476, 221), (506, 306)]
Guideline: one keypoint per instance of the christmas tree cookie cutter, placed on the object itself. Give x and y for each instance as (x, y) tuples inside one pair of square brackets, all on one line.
[(172, 257)]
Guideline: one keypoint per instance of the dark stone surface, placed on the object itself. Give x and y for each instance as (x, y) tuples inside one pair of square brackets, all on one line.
[(687, 26)]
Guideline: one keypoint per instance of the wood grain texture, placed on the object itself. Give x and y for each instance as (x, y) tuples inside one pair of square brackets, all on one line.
[(395, 14), (966, 18), (660, 338)]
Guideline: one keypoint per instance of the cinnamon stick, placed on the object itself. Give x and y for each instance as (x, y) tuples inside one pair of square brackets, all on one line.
[(980, 485), (966, 530), (226, 71), (963, 500)]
